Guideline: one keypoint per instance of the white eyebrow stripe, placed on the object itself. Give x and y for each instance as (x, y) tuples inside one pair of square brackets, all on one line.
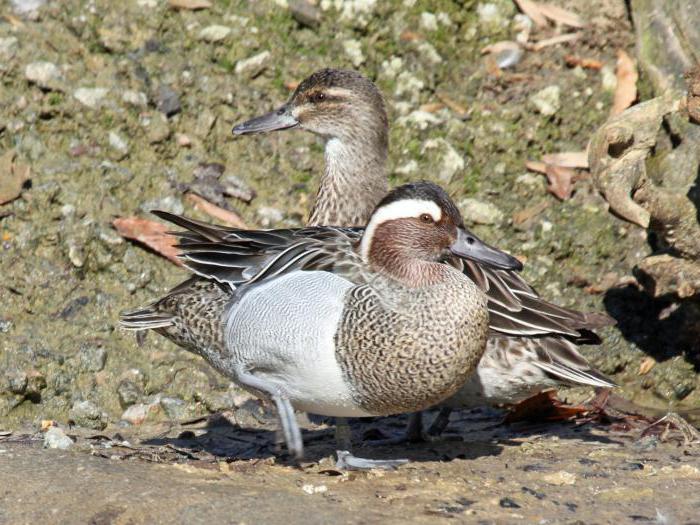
[(403, 209)]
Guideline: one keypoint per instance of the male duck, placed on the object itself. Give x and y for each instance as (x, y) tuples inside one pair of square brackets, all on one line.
[(335, 321), (532, 344)]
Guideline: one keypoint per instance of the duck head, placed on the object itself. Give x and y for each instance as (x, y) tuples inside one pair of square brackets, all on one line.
[(418, 223), (332, 103)]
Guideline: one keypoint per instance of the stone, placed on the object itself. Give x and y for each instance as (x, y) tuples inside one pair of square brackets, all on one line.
[(46, 75), (15, 381), (91, 97), (547, 101), (87, 414), (251, 67), (57, 438), (608, 79), (137, 99), (92, 357), (306, 13), (128, 392), (168, 101), (269, 216), (480, 212), (214, 33), (561, 477), (491, 19), (118, 143), (428, 21), (353, 49), (175, 408), (138, 413), (451, 162), (158, 129), (168, 203)]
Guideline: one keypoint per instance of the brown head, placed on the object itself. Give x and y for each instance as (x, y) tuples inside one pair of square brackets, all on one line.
[(332, 103), (415, 228)]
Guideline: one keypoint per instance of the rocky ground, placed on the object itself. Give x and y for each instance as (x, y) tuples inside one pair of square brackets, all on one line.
[(112, 106)]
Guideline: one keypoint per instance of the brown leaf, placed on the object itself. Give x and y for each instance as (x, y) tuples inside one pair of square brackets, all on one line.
[(231, 218), (410, 36), (532, 9), (13, 175), (561, 181), (528, 213), (560, 39), (567, 159), (152, 234), (646, 365), (191, 5), (544, 406), (459, 109), (432, 107), (291, 85), (586, 63), (560, 15), (536, 166), (626, 90)]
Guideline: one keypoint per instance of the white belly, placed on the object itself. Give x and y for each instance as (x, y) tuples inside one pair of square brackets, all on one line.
[(283, 332)]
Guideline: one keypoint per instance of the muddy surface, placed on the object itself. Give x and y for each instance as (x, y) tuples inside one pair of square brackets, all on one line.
[(113, 106), (484, 472)]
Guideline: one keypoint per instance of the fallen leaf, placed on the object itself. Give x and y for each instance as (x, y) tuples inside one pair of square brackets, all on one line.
[(626, 90), (561, 16), (503, 45), (459, 109), (229, 217), (291, 85), (505, 53), (528, 213), (567, 159), (646, 365), (561, 181), (560, 39), (410, 36), (536, 166), (13, 176), (545, 406), (191, 5), (585, 63), (432, 107), (47, 424), (532, 9), (152, 234)]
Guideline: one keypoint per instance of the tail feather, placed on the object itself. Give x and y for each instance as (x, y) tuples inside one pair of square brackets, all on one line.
[(145, 319)]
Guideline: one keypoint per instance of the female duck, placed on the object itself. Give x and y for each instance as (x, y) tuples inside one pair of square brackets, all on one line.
[(335, 321)]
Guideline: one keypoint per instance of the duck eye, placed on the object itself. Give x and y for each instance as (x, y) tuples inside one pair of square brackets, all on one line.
[(425, 217), (319, 97)]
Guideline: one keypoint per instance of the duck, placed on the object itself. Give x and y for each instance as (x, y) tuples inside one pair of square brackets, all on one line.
[(533, 343), (343, 322)]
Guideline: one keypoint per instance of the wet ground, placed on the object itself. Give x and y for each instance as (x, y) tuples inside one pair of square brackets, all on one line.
[(484, 472)]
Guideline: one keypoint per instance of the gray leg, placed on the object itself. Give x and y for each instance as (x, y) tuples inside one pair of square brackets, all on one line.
[(285, 411), (440, 423), (343, 436)]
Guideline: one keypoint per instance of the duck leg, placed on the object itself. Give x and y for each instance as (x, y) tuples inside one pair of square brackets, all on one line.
[(285, 411), (347, 461), (440, 422)]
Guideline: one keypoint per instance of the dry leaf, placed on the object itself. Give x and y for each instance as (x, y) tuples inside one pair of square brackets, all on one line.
[(231, 218), (626, 90), (561, 16), (410, 36), (560, 39), (12, 177), (567, 159), (191, 5), (528, 213), (532, 10), (47, 424), (646, 365), (152, 234), (505, 53), (561, 181), (460, 110), (503, 45), (536, 166), (586, 63), (291, 85), (544, 406), (432, 107)]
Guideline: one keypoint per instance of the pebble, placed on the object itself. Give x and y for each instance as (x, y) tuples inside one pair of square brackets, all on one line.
[(91, 97), (547, 101), (480, 212), (214, 33), (137, 99), (353, 49), (168, 101), (158, 129), (137, 414), (87, 414), (560, 478), (117, 142), (428, 21), (269, 216), (490, 17), (168, 203), (128, 392), (57, 438), (451, 162), (306, 13), (253, 66), (46, 75), (8, 46), (92, 358), (175, 408), (608, 78), (16, 381)]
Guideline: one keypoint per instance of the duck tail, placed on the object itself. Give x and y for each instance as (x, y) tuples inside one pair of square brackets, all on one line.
[(147, 318), (560, 358)]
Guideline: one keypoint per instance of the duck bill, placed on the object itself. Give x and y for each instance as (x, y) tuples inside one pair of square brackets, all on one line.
[(468, 246), (277, 120)]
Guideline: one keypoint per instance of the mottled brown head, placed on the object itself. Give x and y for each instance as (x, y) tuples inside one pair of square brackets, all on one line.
[(418, 223), (332, 103)]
